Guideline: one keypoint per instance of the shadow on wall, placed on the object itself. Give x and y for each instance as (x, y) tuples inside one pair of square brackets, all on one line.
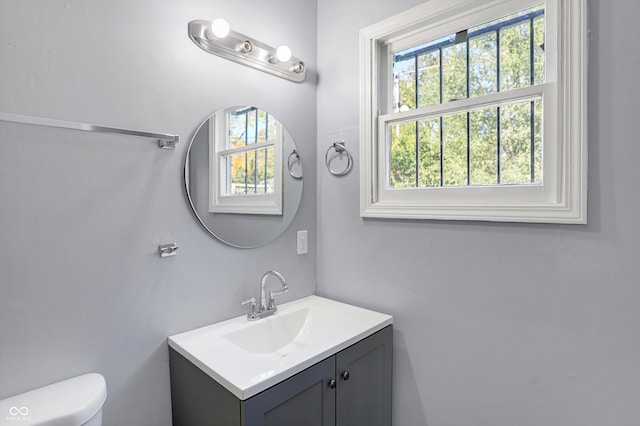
[(403, 372), (133, 391)]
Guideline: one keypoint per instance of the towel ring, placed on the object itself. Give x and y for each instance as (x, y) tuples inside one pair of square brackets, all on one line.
[(339, 149), (291, 163)]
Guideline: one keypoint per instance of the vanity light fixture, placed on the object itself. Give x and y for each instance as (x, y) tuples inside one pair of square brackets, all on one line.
[(217, 38)]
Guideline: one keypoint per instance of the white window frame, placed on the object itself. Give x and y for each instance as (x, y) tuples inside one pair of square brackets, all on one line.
[(562, 198), (260, 204)]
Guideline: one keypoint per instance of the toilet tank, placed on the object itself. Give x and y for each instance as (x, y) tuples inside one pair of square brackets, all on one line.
[(72, 402)]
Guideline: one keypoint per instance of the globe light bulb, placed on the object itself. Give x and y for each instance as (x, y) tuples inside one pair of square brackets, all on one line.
[(283, 53), (220, 28)]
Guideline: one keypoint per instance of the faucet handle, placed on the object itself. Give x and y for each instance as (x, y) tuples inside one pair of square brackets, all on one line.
[(272, 294), (252, 301)]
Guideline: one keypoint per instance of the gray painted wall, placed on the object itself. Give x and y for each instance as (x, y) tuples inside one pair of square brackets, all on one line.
[(496, 324), (82, 287)]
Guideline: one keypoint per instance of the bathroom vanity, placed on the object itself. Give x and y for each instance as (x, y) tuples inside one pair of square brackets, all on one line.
[(316, 362)]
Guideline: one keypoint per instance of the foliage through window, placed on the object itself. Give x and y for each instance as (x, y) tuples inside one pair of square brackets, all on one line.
[(473, 110)]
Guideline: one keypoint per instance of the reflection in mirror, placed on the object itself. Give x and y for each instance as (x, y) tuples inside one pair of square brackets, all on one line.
[(245, 162), (234, 176)]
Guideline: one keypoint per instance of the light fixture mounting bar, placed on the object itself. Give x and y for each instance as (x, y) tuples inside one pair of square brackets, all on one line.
[(247, 51)]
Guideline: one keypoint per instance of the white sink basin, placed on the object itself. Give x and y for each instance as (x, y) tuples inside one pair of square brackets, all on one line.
[(264, 337), (247, 357)]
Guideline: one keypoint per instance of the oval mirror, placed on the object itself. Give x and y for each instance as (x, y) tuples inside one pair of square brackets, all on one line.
[(243, 176)]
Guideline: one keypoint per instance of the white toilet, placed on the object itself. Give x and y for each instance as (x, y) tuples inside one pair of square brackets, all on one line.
[(73, 402)]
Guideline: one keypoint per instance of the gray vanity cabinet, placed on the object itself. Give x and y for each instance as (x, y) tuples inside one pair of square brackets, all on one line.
[(350, 388)]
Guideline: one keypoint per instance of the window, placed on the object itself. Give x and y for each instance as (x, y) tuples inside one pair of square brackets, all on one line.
[(476, 110), (246, 162)]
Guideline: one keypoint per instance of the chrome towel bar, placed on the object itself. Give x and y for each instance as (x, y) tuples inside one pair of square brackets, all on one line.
[(166, 141)]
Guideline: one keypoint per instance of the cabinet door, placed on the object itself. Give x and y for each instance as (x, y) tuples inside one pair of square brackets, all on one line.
[(304, 399), (364, 381)]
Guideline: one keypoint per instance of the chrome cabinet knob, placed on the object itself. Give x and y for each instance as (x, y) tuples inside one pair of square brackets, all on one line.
[(332, 384), (345, 375)]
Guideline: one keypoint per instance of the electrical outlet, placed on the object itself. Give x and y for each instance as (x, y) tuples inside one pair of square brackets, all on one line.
[(303, 242)]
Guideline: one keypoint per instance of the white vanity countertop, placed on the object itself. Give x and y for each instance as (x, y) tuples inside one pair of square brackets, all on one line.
[(247, 357)]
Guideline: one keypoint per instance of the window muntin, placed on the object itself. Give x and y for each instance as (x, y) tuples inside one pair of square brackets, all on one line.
[(491, 146)]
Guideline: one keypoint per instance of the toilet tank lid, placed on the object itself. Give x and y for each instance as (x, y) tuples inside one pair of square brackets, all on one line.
[(70, 402)]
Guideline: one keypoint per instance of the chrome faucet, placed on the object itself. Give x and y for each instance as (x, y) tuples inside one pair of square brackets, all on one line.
[(267, 306)]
